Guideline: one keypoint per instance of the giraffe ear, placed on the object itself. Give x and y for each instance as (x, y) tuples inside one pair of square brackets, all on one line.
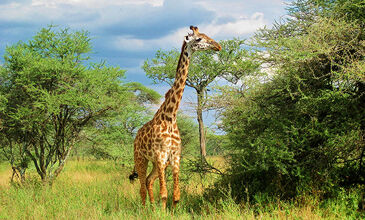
[(187, 38)]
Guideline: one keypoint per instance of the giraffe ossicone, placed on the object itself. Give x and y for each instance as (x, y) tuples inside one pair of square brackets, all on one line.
[(159, 140)]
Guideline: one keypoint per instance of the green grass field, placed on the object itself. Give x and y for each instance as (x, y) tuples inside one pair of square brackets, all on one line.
[(88, 189)]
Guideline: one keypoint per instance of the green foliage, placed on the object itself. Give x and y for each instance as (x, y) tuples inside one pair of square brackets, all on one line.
[(352, 10), (50, 93), (189, 135), (217, 144), (112, 137), (302, 131)]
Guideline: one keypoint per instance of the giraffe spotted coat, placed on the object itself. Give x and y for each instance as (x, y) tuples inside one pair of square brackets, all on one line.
[(159, 140)]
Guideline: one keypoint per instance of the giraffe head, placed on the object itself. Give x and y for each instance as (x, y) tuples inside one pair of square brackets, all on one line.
[(198, 41)]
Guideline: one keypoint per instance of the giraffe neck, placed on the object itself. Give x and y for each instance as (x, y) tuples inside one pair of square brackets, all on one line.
[(170, 106)]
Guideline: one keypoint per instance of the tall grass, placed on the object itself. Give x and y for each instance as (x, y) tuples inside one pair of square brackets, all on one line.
[(101, 190)]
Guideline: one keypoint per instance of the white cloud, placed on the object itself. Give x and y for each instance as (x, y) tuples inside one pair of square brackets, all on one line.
[(94, 15), (75, 13), (134, 44), (238, 7), (126, 43), (95, 3), (239, 28)]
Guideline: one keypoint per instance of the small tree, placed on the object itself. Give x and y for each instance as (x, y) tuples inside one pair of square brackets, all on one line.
[(52, 94)]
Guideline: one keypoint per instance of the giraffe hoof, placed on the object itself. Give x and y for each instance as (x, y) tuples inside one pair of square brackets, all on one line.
[(174, 203)]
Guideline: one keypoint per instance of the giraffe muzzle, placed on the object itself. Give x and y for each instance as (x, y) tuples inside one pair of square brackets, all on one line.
[(216, 46)]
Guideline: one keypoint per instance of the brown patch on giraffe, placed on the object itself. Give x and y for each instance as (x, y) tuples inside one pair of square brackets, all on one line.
[(165, 136), (164, 127), (168, 94), (175, 137), (174, 143), (173, 99), (182, 81), (168, 119), (178, 92), (170, 109)]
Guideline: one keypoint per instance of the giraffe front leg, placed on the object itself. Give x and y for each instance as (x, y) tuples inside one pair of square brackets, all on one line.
[(163, 190), (175, 175)]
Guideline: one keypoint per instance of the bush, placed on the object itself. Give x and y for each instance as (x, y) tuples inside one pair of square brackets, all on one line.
[(301, 131)]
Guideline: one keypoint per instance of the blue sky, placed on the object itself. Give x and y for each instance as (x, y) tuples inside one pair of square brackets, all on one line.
[(127, 32)]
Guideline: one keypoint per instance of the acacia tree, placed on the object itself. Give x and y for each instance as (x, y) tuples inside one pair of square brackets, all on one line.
[(204, 68), (51, 94)]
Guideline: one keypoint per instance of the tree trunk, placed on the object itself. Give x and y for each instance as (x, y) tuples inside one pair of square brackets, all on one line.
[(199, 111), (20, 176), (62, 162)]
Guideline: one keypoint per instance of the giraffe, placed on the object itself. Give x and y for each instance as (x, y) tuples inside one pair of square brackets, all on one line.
[(159, 140)]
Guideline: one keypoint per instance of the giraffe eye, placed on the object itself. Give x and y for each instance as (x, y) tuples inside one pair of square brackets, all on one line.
[(198, 40)]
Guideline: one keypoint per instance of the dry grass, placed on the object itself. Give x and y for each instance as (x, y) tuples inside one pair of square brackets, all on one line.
[(101, 190), (5, 175)]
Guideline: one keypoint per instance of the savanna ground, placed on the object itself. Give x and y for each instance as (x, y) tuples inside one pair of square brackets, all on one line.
[(95, 189)]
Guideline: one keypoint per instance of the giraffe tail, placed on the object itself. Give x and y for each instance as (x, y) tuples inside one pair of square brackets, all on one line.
[(133, 176)]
